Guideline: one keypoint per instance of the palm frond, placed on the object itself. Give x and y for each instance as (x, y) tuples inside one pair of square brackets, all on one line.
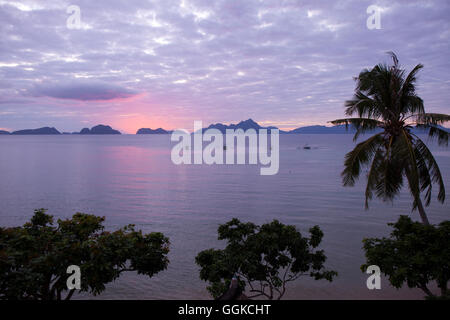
[(411, 104), (424, 173), (362, 125), (432, 166), (439, 134), (431, 118), (436, 133), (373, 176), (410, 165), (394, 57), (362, 154), (368, 124), (371, 93), (390, 171), (409, 100), (363, 106)]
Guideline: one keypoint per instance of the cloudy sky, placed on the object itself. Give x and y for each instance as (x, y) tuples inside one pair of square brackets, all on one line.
[(133, 63)]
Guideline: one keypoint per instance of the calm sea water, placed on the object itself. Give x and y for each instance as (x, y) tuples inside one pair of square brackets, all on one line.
[(131, 179)]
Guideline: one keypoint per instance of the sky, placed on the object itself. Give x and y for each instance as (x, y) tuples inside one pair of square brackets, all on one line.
[(133, 64)]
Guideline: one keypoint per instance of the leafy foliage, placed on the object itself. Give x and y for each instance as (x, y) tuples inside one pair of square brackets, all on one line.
[(415, 254), (34, 258), (385, 97), (264, 257)]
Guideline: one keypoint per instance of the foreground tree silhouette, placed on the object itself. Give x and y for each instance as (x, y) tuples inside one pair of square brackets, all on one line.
[(34, 258), (415, 254), (386, 98), (263, 257)]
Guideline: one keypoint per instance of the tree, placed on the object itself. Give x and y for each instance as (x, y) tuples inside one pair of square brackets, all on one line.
[(415, 254), (263, 257), (34, 258), (385, 98)]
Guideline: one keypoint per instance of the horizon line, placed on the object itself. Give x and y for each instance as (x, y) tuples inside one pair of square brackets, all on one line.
[(156, 128)]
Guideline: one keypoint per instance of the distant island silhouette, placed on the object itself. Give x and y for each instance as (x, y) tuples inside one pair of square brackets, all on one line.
[(251, 124), (99, 129), (152, 131), (44, 130), (244, 125)]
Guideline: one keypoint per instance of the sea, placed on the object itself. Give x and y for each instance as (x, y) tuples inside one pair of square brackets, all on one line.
[(131, 179)]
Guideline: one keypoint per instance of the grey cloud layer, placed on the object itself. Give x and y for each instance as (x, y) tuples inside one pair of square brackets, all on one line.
[(285, 62), (82, 90)]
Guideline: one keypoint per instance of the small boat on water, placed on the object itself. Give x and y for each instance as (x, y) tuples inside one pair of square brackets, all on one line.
[(306, 147)]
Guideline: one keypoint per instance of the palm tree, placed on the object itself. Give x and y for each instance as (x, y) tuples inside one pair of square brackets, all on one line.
[(385, 98)]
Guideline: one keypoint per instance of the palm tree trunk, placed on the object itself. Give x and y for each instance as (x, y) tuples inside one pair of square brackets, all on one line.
[(422, 213)]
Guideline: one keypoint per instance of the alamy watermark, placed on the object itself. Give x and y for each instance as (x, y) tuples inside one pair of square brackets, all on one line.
[(374, 280), (374, 20), (263, 147), (74, 20), (74, 280)]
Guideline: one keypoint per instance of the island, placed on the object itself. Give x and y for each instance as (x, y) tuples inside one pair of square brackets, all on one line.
[(85, 131), (44, 130), (244, 125), (99, 129), (152, 131), (4, 132)]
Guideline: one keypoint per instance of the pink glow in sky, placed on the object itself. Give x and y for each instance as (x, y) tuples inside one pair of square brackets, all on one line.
[(134, 64)]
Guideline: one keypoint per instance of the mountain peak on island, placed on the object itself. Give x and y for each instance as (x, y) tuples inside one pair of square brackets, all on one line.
[(99, 129), (152, 131), (244, 125), (248, 124)]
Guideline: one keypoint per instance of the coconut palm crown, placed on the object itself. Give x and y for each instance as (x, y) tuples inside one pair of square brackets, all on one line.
[(385, 97)]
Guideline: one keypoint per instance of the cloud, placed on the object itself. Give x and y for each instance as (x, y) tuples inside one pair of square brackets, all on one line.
[(223, 60), (83, 91)]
